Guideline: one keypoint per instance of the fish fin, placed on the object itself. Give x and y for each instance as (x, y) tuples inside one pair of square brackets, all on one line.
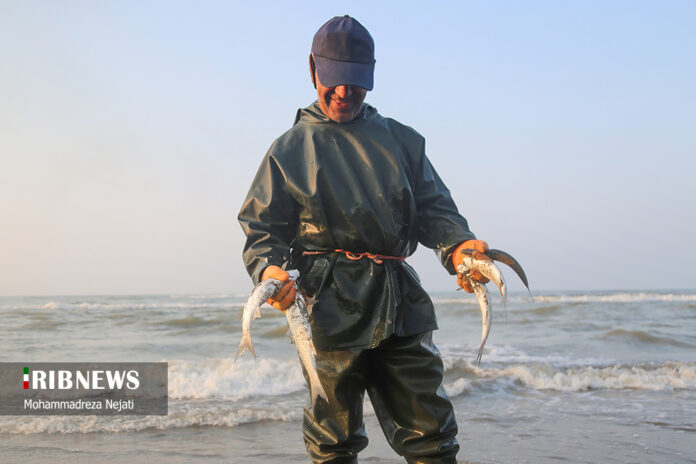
[(467, 251), (245, 345), (310, 302), (257, 313), (506, 258), (317, 392), (480, 353), (503, 290)]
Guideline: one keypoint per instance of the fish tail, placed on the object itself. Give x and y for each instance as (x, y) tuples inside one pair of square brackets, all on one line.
[(317, 390), (480, 353), (245, 345)]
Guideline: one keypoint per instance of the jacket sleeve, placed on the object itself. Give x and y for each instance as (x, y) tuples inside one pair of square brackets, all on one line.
[(268, 219), (439, 225)]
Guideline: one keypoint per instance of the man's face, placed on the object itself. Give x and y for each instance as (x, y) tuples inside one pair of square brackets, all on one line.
[(341, 103)]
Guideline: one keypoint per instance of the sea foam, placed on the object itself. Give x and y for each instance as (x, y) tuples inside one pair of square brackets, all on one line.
[(222, 393), (540, 376), (181, 415), (625, 297), (668, 376), (226, 379)]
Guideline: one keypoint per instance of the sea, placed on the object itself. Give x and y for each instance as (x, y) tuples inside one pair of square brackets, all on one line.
[(566, 377)]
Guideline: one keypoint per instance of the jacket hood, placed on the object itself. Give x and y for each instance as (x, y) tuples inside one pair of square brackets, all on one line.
[(313, 114)]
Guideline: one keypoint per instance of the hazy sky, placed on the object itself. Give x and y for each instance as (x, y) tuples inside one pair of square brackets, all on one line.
[(130, 133)]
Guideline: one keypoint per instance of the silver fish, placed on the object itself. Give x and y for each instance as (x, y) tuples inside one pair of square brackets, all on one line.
[(298, 322), (484, 264), (252, 310), (486, 309), (301, 331), (506, 258), (482, 296)]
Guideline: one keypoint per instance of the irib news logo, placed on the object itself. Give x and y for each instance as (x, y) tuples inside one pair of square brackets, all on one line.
[(87, 380), (83, 388)]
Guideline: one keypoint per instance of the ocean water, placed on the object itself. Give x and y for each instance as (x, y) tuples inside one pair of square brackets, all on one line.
[(596, 377)]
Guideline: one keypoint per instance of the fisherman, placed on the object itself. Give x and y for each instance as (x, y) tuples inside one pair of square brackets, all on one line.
[(345, 196)]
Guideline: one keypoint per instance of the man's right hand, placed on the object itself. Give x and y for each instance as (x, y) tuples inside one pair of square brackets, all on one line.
[(286, 295)]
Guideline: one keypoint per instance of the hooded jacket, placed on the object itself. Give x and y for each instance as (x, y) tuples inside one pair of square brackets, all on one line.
[(361, 186)]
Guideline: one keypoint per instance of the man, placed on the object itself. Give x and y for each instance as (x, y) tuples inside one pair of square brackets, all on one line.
[(344, 196)]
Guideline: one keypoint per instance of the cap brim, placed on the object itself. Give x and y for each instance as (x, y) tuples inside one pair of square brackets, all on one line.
[(333, 73)]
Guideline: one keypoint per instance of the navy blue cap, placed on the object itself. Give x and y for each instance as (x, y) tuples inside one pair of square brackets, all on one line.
[(344, 53)]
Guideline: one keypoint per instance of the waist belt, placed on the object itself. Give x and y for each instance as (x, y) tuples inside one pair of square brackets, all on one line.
[(377, 258)]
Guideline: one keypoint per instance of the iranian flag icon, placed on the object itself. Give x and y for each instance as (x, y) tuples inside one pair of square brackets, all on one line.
[(26, 378)]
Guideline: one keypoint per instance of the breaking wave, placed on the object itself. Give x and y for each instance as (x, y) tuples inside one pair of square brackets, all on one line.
[(664, 377), (213, 392), (226, 379), (221, 393), (617, 297), (136, 304), (644, 337), (668, 376), (180, 416)]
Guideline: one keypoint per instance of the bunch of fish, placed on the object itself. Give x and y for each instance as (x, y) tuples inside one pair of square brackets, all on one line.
[(298, 322), (483, 263)]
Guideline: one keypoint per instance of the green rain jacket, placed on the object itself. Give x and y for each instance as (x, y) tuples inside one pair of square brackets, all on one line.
[(361, 186)]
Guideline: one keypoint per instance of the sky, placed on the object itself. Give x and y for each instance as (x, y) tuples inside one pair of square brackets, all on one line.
[(130, 133)]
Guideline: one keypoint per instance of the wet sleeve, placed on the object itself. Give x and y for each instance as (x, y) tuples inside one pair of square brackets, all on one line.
[(268, 219), (440, 226)]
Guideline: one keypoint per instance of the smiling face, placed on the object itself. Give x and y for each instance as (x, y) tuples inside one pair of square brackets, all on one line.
[(341, 103)]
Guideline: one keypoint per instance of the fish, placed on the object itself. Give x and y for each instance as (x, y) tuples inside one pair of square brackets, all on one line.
[(297, 316), (474, 260), (483, 263), (252, 310), (482, 295), (301, 332), (486, 309), (506, 258)]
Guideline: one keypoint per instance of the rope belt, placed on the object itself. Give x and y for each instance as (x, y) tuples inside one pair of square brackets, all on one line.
[(377, 258)]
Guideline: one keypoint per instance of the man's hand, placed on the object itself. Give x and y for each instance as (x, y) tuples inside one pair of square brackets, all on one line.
[(481, 247), (286, 295)]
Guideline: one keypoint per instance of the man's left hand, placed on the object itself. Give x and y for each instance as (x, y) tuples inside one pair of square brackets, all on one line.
[(481, 247)]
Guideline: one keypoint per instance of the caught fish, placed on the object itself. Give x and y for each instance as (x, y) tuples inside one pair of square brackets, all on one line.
[(482, 295), (477, 261), (252, 310), (301, 331), (483, 263), (298, 322), (506, 258)]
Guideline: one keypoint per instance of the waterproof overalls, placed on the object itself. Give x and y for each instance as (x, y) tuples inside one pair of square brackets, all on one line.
[(365, 187)]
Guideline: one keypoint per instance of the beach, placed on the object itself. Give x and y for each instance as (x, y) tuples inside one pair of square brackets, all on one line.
[(566, 377)]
